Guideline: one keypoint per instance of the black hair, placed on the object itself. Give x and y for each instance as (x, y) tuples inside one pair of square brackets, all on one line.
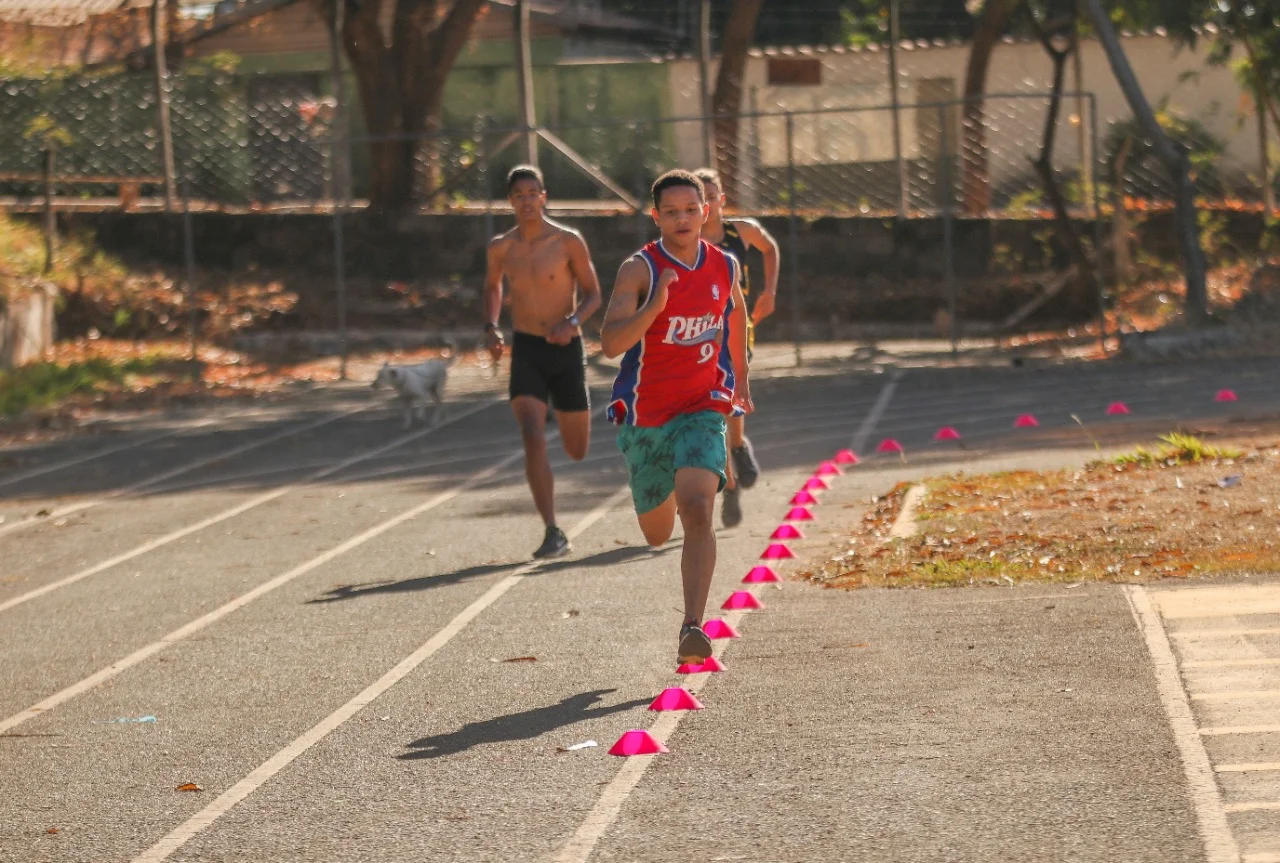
[(524, 172), (709, 175), (676, 178)]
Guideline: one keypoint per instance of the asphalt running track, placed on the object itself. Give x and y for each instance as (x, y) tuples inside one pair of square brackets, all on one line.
[(315, 607)]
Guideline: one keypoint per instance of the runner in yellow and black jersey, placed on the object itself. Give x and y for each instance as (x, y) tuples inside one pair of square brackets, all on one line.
[(736, 236)]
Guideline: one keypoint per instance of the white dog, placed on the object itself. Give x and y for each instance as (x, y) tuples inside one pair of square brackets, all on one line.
[(415, 385)]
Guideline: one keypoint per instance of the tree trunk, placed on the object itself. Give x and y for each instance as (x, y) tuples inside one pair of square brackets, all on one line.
[(1124, 264), (1173, 158), (726, 103), (1066, 229), (973, 150), (401, 85)]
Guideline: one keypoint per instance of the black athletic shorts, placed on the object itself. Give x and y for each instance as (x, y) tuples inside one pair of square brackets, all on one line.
[(556, 374)]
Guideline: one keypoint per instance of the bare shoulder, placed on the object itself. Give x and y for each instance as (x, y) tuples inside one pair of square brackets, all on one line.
[(634, 271), (501, 242), (750, 225), (567, 235)]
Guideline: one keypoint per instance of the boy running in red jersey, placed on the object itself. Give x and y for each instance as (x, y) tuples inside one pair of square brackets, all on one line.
[(678, 315)]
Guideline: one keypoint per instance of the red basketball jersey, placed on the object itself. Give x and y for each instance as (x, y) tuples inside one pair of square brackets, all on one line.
[(682, 364)]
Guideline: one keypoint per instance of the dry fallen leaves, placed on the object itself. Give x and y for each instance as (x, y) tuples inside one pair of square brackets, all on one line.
[(188, 786)]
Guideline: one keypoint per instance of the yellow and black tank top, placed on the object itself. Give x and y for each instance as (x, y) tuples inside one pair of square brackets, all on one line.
[(733, 243)]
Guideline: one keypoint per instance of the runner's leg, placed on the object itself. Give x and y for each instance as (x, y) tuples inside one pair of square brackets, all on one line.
[(658, 524), (531, 415), (695, 496), (575, 432)]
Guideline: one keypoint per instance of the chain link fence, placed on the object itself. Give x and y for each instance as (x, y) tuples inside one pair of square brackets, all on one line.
[(270, 143), (268, 140)]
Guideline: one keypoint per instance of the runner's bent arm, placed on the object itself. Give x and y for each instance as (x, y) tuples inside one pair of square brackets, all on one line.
[(493, 297), (738, 346), (754, 234), (626, 321), (584, 273)]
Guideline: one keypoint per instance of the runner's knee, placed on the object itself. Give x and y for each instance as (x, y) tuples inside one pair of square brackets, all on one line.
[(696, 509)]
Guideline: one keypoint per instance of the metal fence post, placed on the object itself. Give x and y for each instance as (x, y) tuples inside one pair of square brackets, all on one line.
[(340, 282), (189, 268), (485, 181), (1098, 257), (50, 218), (948, 229), (794, 231), (642, 191)]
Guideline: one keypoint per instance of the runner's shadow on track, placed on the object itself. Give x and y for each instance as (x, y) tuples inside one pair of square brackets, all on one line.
[(525, 725), (613, 557)]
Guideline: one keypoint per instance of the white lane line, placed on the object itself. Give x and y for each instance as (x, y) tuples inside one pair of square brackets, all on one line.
[(1222, 633), (1244, 693), (904, 525), (282, 759), (96, 454), (1239, 729), (1211, 817), (178, 471), (1255, 806), (230, 512), (608, 806), (1231, 663), (863, 434), (1260, 766)]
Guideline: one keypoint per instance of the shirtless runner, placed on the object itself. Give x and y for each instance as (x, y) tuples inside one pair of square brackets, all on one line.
[(553, 290)]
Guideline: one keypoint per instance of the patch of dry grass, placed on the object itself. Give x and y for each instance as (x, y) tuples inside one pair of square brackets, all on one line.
[(1130, 520)]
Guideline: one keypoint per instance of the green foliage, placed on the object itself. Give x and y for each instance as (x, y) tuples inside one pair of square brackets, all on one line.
[(864, 24), (39, 384), (1177, 449), (45, 131), (22, 258), (1203, 148)]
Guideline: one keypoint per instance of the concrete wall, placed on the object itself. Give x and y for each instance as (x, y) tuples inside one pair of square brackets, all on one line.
[(853, 78), (27, 326)]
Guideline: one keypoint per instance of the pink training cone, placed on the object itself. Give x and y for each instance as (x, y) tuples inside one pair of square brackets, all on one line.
[(777, 551), (712, 664), (846, 456), (816, 483), (717, 629), (742, 600), (1226, 396), (947, 433), (804, 498), (828, 468), (637, 742), (799, 513), (1026, 421), (675, 698), (1116, 409), (889, 445), (760, 575), (787, 531)]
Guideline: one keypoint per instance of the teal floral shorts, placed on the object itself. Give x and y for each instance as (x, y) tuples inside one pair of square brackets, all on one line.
[(653, 455)]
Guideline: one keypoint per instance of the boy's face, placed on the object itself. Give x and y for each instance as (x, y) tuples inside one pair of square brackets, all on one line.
[(527, 198), (680, 214), (715, 201)]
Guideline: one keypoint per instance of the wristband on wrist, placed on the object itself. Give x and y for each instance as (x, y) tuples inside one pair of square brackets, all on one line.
[(489, 328)]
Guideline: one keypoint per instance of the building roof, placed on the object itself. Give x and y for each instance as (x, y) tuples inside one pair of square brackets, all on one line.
[(61, 13)]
